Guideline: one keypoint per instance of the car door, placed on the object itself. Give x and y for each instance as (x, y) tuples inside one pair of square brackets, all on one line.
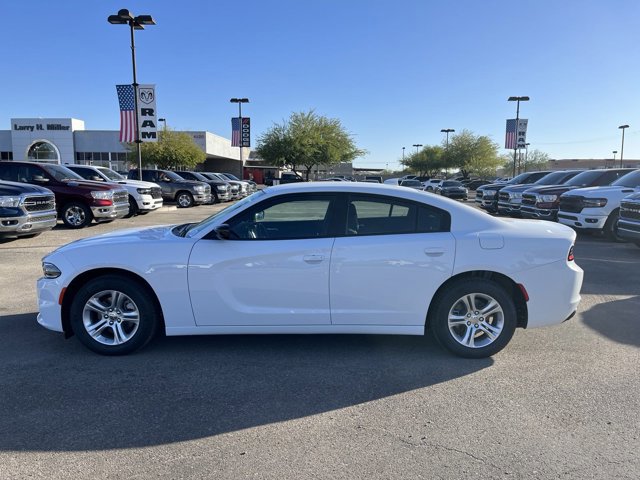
[(274, 270), (393, 257)]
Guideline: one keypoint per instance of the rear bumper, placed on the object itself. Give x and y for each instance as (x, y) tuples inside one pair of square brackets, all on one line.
[(28, 224)]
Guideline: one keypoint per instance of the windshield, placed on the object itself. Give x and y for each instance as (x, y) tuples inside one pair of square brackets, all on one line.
[(451, 183), (551, 179), (207, 223), (61, 173), (519, 179), (411, 183), (232, 177), (585, 178), (110, 174), (630, 180)]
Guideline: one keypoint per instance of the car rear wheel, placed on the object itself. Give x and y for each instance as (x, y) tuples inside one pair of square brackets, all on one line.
[(474, 318), (113, 315), (184, 200), (76, 215)]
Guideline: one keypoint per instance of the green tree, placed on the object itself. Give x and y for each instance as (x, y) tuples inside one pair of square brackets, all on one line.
[(471, 153), (306, 140), (428, 161), (172, 150), (534, 160)]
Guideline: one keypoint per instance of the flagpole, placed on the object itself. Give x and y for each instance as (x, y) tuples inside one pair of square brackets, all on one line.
[(135, 101), (240, 122)]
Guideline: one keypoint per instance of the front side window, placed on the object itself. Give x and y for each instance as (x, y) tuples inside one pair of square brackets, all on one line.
[(391, 216), (630, 180), (297, 217)]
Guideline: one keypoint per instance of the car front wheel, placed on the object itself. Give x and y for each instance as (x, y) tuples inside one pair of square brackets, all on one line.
[(474, 318), (113, 315), (76, 215), (184, 200)]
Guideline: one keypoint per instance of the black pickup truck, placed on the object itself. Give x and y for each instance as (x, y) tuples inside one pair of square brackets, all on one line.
[(26, 210)]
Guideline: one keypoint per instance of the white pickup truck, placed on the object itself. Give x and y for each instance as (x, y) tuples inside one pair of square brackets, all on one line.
[(597, 209)]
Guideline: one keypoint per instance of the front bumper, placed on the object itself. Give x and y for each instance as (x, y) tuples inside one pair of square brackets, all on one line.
[(148, 203), (200, 198), (629, 230), (509, 208), (540, 213), (583, 221), (455, 195), (118, 210), (28, 224), (488, 204), (224, 196)]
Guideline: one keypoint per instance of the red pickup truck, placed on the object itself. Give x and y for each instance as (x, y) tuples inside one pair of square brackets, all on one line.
[(78, 201)]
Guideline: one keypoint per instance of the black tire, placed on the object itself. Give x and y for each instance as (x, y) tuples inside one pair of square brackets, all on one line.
[(214, 196), (133, 207), (474, 327), (611, 227), (184, 200), (76, 215), (112, 324)]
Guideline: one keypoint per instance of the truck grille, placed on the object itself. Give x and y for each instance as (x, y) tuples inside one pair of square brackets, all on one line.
[(39, 203), (630, 210), (571, 203), (156, 192), (479, 194), (120, 196), (528, 199), (503, 196)]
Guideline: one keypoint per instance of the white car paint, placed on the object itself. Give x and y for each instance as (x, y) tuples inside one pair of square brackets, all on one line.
[(359, 284)]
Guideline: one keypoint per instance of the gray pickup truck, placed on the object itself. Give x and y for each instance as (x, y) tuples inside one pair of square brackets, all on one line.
[(185, 193), (26, 210)]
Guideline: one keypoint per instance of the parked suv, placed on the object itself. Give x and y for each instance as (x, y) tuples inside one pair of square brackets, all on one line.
[(185, 193), (510, 198), (243, 187), (26, 210), (629, 221), (290, 177), (143, 196), (220, 191), (78, 201), (234, 187), (487, 195), (596, 209), (543, 202)]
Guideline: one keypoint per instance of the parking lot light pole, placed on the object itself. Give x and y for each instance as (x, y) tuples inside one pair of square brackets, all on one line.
[(614, 157), (515, 147), (417, 145), (124, 17), (447, 131), (164, 123), (403, 155), (240, 101), (622, 127)]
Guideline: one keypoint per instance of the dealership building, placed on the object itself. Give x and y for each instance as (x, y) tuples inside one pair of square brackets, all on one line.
[(66, 141)]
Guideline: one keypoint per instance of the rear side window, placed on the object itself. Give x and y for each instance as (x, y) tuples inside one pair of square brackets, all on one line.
[(390, 216), (9, 172)]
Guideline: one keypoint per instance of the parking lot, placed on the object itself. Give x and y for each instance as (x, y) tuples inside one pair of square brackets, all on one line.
[(558, 402)]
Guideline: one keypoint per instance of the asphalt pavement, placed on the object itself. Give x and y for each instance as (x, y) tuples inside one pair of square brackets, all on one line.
[(558, 403)]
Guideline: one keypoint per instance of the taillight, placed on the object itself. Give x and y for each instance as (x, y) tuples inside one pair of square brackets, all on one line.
[(570, 257)]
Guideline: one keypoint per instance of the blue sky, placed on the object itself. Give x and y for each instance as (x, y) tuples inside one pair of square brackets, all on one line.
[(394, 72)]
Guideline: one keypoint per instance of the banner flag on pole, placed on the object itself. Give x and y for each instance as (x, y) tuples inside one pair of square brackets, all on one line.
[(147, 113), (235, 132), (510, 137), (127, 113), (522, 133)]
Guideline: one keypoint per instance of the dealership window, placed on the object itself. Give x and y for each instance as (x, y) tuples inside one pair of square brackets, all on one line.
[(42, 151), (6, 155)]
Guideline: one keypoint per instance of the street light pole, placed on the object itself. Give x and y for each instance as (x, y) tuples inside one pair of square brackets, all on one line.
[(240, 101), (447, 131), (623, 128), (526, 155), (417, 145), (515, 146), (403, 154), (164, 123), (614, 158), (124, 17)]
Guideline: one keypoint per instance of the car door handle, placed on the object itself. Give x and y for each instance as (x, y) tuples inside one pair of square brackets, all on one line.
[(434, 252), (313, 258)]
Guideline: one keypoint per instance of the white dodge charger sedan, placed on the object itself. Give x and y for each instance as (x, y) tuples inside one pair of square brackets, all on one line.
[(324, 257)]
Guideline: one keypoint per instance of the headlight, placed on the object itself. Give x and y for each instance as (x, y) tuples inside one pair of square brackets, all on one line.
[(546, 198), (50, 270), (221, 188), (144, 191), (515, 195), (9, 201), (199, 188), (595, 202), (489, 194), (102, 195)]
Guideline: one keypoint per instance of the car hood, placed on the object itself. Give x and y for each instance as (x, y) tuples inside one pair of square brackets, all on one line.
[(15, 188), (493, 186), (600, 191), (523, 187), (551, 190), (137, 183), (635, 197), (91, 185)]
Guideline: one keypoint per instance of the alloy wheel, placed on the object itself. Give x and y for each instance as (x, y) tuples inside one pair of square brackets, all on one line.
[(110, 317), (476, 320)]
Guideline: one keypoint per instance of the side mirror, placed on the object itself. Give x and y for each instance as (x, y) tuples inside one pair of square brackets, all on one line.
[(223, 232), (40, 179), (258, 216), (96, 178)]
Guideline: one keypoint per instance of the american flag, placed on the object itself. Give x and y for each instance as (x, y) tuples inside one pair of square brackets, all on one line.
[(127, 113), (235, 132), (510, 138)]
